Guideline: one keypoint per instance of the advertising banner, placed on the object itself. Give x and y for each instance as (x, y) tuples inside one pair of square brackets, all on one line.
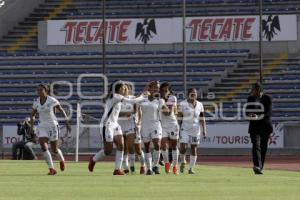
[(169, 30)]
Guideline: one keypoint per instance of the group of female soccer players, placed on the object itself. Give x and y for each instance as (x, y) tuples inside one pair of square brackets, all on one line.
[(128, 121), (153, 117)]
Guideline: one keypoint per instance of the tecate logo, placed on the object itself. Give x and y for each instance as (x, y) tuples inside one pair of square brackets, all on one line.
[(2, 3)]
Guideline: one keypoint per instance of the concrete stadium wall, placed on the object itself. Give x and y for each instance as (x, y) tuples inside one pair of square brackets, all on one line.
[(14, 11), (292, 47)]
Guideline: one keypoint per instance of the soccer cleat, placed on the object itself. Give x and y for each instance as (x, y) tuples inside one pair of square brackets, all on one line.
[(132, 169), (118, 172), (149, 172), (92, 164), (257, 171), (52, 171), (142, 170), (167, 167), (191, 171), (175, 171), (182, 167), (62, 165), (126, 171), (161, 163), (156, 170)]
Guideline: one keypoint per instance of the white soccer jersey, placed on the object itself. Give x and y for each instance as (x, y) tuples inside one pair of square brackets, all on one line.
[(113, 107), (191, 116), (151, 113), (46, 113), (169, 121), (128, 108)]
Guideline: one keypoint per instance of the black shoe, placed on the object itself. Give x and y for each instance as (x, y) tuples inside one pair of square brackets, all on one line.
[(191, 171), (257, 171), (132, 169), (126, 171), (149, 172), (161, 163), (156, 170)]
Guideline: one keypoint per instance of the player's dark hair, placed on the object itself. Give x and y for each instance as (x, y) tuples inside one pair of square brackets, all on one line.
[(190, 90), (114, 88), (166, 84), (152, 83), (257, 87), (45, 86)]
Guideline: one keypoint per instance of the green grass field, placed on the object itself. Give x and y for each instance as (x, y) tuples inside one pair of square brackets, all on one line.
[(23, 180)]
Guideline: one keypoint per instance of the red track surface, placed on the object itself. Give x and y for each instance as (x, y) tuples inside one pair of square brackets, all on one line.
[(290, 163)]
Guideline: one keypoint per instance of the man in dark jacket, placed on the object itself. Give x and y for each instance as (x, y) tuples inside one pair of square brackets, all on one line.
[(259, 111), (23, 149)]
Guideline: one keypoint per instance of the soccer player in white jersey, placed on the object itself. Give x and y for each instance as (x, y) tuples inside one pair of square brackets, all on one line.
[(170, 128), (151, 130), (128, 122), (110, 128), (191, 114), (48, 128)]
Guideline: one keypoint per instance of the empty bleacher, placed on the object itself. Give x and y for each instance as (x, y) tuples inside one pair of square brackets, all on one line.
[(216, 71), (20, 73)]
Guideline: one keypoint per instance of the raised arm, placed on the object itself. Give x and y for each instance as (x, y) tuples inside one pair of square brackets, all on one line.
[(135, 100)]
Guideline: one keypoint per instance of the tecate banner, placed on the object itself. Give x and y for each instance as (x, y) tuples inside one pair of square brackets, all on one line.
[(169, 30), (236, 136)]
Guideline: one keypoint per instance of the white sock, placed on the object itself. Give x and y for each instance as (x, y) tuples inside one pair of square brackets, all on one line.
[(48, 159), (131, 159), (59, 155), (156, 155), (148, 158), (98, 156), (125, 161), (182, 158), (175, 157), (193, 160), (165, 155), (142, 159), (119, 159)]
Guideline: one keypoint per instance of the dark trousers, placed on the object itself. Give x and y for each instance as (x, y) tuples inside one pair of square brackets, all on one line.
[(259, 149), (21, 151)]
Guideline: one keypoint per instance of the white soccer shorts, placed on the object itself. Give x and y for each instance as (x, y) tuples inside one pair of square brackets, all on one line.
[(149, 134), (128, 127), (110, 131), (48, 132), (189, 139), (171, 132)]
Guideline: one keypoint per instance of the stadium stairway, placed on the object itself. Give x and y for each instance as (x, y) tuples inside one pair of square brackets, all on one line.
[(24, 36), (281, 81)]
